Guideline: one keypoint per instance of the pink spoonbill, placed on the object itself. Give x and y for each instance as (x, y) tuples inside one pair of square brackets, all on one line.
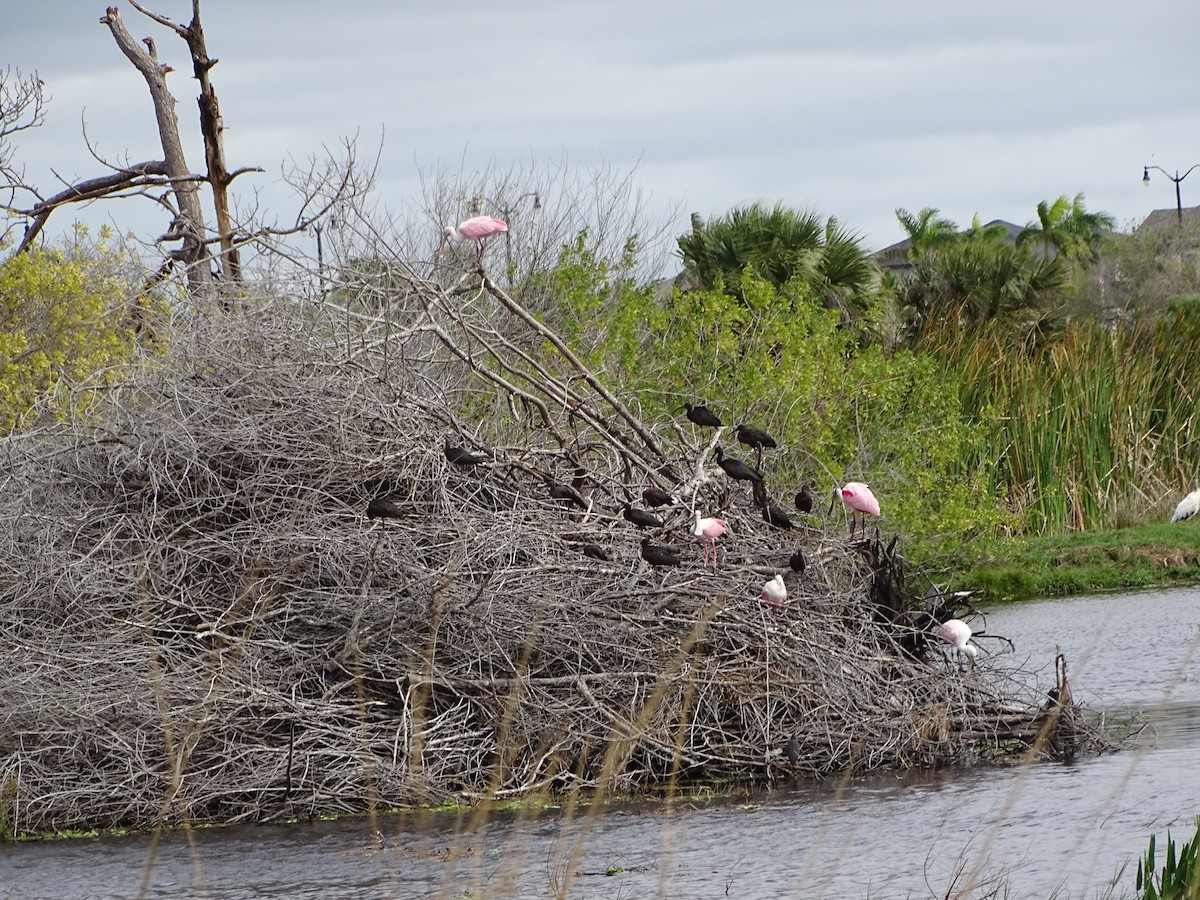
[(858, 499), (774, 592), (958, 633), (474, 229), (707, 530)]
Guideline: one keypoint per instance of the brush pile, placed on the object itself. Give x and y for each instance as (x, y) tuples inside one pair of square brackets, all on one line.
[(200, 622)]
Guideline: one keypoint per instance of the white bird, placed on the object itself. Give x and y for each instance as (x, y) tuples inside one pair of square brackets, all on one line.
[(1187, 507), (958, 633), (774, 592)]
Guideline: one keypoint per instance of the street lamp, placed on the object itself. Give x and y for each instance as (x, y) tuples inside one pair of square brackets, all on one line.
[(1175, 178)]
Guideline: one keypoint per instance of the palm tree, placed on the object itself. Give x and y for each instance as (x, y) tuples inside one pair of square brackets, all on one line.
[(925, 230), (1067, 226), (779, 245)]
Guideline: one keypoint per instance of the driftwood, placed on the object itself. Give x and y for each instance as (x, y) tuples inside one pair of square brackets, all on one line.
[(199, 621)]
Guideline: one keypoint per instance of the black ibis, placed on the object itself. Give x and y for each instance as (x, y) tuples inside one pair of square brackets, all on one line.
[(462, 457), (735, 468), (640, 517), (702, 415), (657, 555), (594, 551), (798, 563), (774, 515), (567, 494), (804, 499), (656, 496), (383, 508), (754, 437)]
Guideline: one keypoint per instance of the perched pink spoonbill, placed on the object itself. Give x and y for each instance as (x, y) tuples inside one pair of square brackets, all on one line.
[(774, 592), (474, 229), (707, 531), (958, 633), (859, 499)]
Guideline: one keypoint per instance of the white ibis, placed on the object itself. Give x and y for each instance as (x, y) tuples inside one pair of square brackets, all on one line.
[(702, 415), (1187, 507), (958, 633), (706, 531), (474, 229), (774, 592), (657, 555), (859, 499)]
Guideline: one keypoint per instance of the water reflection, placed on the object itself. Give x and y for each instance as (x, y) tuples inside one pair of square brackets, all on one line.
[(1040, 827)]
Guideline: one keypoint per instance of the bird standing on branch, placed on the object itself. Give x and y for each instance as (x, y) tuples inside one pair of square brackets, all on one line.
[(383, 508), (804, 499), (859, 499), (657, 555), (958, 633), (474, 229), (735, 468), (755, 438), (1187, 507), (461, 457), (706, 531), (774, 592), (702, 415), (640, 517), (798, 563), (774, 515), (656, 496)]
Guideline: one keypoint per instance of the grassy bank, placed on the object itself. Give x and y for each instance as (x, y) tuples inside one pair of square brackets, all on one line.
[(1135, 558)]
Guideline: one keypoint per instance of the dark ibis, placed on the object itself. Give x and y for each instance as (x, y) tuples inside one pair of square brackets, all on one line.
[(702, 415), (594, 551), (774, 592), (462, 457), (735, 468), (568, 495), (798, 563), (706, 531), (859, 499), (1187, 507), (658, 555), (804, 499), (383, 508), (754, 437), (774, 515), (656, 496), (640, 517)]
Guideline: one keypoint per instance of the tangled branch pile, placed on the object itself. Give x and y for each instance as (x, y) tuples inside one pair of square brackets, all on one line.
[(198, 622)]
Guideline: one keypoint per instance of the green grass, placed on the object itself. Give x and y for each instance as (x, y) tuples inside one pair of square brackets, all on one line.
[(1135, 558)]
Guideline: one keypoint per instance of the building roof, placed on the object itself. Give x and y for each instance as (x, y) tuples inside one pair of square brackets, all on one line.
[(895, 256), (1164, 217)]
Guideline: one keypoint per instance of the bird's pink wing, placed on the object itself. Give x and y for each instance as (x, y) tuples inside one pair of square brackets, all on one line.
[(478, 227)]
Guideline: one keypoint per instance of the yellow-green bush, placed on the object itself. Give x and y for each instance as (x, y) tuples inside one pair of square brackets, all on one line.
[(69, 316)]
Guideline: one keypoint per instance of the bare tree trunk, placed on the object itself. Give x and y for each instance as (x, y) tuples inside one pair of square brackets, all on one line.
[(189, 226), (211, 128)]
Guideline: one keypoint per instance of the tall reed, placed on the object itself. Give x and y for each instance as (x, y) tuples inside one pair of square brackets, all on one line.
[(1087, 426)]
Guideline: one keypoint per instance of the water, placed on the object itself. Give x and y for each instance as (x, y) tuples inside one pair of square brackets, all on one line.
[(1039, 828)]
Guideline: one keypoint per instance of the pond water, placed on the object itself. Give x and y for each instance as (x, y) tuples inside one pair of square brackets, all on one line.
[(1039, 828)]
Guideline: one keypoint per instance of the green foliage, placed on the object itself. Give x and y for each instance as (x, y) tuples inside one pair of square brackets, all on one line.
[(1179, 878), (780, 246), (1068, 227), (65, 320), (774, 356)]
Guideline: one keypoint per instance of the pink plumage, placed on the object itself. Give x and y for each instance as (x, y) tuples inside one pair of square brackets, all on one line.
[(475, 229), (858, 499), (774, 592), (707, 530), (958, 633)]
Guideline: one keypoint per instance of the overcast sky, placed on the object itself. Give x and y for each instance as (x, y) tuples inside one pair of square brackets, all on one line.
[(849, 109)]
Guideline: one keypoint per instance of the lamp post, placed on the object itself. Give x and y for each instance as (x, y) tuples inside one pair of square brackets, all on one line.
[(507, 211), (1175, 178)]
